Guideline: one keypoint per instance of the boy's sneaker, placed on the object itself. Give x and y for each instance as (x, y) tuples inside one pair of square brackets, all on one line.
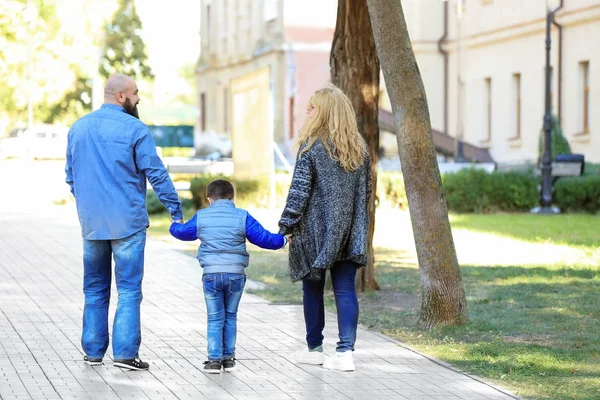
[(134, 364), (92, 361), (228, 365), (313, 356), (212, 366), (342, 361)]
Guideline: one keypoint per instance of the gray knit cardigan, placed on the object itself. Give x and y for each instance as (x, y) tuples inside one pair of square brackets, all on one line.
[(327, 213)]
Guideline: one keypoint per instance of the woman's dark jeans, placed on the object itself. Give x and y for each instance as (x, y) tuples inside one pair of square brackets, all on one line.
[(343, 276)]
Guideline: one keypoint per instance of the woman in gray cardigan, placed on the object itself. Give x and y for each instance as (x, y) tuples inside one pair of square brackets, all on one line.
[(326, 214)]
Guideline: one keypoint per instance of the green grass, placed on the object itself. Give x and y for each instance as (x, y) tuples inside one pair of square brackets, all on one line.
[(533, 329), (577, 230)]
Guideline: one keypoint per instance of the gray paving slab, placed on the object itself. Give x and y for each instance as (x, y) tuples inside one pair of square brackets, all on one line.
[(41, 303)]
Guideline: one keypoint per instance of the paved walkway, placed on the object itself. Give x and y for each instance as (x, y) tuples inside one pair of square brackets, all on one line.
[(40, 320)]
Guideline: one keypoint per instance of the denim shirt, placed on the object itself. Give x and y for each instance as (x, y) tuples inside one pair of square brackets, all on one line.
[(110, 154)]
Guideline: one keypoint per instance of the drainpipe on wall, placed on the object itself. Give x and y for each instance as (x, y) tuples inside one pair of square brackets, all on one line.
[(445, 55), (560, 43)]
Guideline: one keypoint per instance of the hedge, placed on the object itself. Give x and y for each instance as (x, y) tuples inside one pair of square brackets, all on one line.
[(467, 191), (476, 191), (154, 206), (578, 193)]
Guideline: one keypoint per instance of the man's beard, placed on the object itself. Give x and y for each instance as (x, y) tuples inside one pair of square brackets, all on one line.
[(131, 108)]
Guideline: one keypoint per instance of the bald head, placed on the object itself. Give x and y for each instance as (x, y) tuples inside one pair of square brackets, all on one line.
[(121, 90), (115, 84)]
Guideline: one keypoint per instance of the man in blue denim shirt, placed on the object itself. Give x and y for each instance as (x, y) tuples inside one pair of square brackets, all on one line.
[(110, 154)]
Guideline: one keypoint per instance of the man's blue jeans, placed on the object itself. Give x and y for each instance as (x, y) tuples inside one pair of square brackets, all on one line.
[(222, 293), (343, 276), (128, 254)]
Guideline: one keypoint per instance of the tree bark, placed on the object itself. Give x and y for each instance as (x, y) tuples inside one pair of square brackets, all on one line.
[(355, 70), (443, 295)]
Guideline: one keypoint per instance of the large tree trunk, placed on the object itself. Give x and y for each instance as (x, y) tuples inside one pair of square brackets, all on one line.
[(355, 70), (443, 295)]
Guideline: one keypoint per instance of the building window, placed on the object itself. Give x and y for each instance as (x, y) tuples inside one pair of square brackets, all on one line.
[(488, 110), (208, 20), (551, 88), (225, 110), (584, 72), (517, 106), (234, 25), (249, 16), (270, 10), (291, 133), (225, 18), (202, 112)]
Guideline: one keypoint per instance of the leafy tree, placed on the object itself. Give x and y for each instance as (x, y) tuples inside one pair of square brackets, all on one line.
[(74, 103), (124, 49), (187, 72), (31, 50)]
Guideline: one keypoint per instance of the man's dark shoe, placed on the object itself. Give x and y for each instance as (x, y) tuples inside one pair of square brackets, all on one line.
[(212, 367), (228, 365), (135, 364), (92, 361)]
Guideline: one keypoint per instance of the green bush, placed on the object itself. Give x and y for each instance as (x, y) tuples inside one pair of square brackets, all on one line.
[(466, 190), (578, 193), (246, 191), (475, 190), (178, 151), (591, 169), (391, 186), (560, 144), (512, 191), (154, 206)]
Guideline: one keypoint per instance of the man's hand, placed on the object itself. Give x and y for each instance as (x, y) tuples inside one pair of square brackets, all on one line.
[(289, 239), (179, 221)]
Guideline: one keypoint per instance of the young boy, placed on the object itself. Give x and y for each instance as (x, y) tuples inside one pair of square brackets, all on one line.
[(222, 229)]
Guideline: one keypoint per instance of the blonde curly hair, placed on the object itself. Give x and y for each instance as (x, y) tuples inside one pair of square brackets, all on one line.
[(334, 122)]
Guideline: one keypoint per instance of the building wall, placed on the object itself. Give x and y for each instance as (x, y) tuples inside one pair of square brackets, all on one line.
[(284, 35), (497, 42), (307, 50), (579, 46), (238, 37)]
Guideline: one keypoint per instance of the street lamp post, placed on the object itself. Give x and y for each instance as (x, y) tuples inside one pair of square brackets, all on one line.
[(546, 168)]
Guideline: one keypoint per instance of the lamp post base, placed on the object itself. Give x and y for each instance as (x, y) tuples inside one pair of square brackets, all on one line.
[(545, 210)]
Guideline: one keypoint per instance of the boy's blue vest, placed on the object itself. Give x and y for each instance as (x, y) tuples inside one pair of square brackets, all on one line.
[(222, 233)]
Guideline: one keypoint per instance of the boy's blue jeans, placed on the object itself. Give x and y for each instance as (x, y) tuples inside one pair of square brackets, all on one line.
[(222, 293), (343, 276), (128, 254)]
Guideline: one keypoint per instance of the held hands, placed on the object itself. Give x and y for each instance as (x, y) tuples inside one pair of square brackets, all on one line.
[(289, 239), (179, 221)]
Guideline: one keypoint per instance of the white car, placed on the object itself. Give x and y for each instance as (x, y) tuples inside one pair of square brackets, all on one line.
[(40, 142)]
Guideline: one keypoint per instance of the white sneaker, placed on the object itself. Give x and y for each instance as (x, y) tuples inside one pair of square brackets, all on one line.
[(342, 361), (309, 357)]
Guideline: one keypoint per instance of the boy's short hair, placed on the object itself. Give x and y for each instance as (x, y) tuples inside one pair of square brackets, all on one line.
[(220, 189)]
